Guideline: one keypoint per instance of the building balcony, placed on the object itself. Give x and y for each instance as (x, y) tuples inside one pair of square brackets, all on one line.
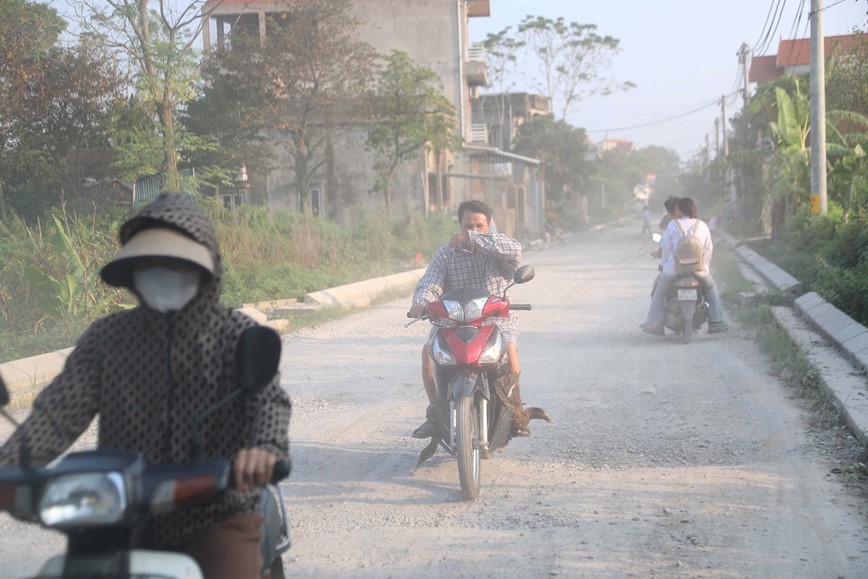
[(476, 66), (479, 134)]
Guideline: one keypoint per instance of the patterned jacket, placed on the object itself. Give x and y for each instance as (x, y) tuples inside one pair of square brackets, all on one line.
[(148, 375)]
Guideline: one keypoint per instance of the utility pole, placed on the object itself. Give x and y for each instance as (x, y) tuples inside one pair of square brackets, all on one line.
[(716, 137), (723, 125), (707, 156), (744, 59), (819, 199)]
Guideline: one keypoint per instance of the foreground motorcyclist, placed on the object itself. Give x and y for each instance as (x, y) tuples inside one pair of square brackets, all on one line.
[(474, 257), (148, 371), (686, 215)]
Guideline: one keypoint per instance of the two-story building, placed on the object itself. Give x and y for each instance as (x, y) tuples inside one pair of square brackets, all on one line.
[(435, 35)]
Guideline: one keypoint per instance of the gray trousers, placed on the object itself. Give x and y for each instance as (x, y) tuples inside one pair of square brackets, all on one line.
[(664, 284)]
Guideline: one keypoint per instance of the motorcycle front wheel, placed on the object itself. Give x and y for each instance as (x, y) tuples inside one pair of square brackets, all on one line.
[(467, 434)]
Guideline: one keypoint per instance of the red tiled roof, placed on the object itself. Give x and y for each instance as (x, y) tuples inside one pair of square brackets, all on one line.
[(795, 53), (798, 51), (763, 69)]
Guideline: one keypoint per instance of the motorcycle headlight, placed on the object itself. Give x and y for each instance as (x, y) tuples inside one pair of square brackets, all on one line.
[(493, 350), (440, 354), (473, 309), (83, 499), (454, 310)]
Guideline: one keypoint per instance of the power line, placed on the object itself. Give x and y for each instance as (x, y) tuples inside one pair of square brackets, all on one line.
[(660, 121), (793, 33), (622, 117), (824, 8), (770, 36), (759, 48), (766, 23)]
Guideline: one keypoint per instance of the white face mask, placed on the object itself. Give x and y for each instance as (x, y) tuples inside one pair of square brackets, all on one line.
[(164, 289)]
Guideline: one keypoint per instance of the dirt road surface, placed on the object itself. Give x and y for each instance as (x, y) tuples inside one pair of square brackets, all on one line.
[(666, 460)]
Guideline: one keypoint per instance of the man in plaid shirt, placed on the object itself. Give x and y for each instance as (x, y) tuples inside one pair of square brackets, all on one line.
[(474, 257)]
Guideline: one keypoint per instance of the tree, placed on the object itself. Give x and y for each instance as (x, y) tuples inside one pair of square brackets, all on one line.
[(502, 51), (55, 102), (570, 59), (561, 148), (624, 171), (846, 71), (409, 114), (156, 37), (302, 84), (27, 32)]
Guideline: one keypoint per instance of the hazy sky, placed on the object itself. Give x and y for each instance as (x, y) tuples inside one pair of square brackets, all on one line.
[(681, 54)]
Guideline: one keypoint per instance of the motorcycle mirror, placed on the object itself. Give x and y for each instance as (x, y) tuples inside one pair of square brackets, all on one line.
[(524, 274), (257, 358), (656, 237), (4, 394)]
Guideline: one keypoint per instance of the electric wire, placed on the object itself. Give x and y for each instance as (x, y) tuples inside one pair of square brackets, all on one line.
[(770, 37), (824, 8), (794, 31), (662, 121), (763, 31)]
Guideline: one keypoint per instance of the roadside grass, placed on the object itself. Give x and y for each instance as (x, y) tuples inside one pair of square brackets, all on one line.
[(788, 361), (50, 291)]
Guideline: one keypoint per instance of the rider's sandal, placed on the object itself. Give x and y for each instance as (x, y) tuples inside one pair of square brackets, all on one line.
[(652, 329)]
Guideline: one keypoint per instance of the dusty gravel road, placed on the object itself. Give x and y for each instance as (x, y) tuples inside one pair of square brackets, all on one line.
[(665, 460)]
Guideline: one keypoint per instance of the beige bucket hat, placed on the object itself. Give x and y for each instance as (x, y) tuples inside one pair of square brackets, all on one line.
[(155, 242)]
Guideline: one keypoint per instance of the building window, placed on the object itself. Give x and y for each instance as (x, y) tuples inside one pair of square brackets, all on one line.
[(233, 200)]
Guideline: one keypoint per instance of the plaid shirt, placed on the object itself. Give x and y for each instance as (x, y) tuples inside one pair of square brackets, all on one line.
[(490, 267)]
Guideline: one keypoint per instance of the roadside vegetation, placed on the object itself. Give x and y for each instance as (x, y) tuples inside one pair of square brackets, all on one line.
[(49, 280), (829, 256), (770, 170)]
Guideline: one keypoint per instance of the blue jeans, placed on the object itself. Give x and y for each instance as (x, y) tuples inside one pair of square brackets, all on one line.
[(664, 284)]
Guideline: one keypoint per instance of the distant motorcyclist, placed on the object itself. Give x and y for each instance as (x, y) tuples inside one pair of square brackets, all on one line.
[(148, 371), (686, 215)]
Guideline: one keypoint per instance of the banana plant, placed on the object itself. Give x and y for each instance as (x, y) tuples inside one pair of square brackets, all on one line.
[(68, 292), (788, 177)]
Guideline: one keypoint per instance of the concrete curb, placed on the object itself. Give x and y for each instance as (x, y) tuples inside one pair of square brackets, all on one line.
[(777, 277), (849, 390), (25, 378), (844, 388)]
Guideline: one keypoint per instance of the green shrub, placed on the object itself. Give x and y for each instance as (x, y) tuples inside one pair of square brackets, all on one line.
[(50, 288), (828, 256)]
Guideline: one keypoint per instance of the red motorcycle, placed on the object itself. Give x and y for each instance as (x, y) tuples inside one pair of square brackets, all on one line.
[(470, 365)]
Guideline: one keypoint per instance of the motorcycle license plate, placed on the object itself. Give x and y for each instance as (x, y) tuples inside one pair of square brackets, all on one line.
[(687, 295)]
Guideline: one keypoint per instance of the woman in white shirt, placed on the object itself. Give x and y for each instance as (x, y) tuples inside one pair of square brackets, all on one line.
[(687, 216)]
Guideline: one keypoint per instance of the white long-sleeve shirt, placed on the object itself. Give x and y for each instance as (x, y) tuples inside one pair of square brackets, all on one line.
[(671, 237)]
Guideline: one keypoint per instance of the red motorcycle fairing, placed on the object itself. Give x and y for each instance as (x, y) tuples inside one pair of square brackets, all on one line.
[(467, 343)]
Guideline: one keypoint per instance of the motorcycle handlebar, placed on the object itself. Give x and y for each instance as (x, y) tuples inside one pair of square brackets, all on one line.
[(280, 471), (526, 307)]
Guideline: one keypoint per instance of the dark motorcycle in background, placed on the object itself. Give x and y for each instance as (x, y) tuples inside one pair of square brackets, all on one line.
[(103, 499), (469, 357), (685, 307)]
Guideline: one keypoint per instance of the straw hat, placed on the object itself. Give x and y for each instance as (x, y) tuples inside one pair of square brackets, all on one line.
[(155, 242)]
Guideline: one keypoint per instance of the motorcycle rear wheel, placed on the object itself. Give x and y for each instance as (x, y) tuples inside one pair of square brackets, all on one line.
[(688, 309), (467, 433)]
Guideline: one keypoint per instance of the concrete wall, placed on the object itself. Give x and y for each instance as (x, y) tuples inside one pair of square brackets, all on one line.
[(428, 30)]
